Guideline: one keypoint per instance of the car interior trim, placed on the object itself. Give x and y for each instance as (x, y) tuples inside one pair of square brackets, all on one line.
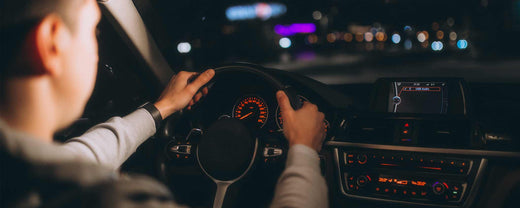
[(471, 152), (124, 15)]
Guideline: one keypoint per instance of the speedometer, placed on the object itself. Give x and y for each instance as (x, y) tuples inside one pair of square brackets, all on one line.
[(252, 110)]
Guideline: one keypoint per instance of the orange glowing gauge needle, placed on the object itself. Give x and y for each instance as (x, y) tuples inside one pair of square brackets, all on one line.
[(245, 116)]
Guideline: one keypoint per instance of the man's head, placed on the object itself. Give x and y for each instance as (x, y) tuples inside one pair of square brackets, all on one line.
[(50, 44)]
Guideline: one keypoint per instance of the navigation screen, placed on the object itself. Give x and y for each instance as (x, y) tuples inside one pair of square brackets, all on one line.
[(419, 97)]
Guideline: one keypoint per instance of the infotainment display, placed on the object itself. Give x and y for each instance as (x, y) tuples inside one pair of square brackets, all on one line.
[(418, 97)]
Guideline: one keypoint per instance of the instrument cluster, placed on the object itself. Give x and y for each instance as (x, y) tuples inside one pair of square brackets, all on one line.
[(254, 111)]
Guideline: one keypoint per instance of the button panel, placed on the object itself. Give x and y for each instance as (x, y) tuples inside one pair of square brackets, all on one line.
[(425, 178), (395, 187), (417, 163)]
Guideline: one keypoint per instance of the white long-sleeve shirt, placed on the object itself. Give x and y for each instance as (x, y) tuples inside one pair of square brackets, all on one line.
[(110, 144)]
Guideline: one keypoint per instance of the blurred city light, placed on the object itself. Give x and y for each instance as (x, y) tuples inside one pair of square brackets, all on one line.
[(435, 26), (462, 44), (453, 36), (359, 37), (263, 11), (331, 37), (285, 42), (348, 37), (421, 37), (437, 46), (440, 35), (407, 44), (407, 28), (293, 29), (317, 15), (312, 38), (184, 47), (396, 38), (369, 36), (381, 36), (450, 21)]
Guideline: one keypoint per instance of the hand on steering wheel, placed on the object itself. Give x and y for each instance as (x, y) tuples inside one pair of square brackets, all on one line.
[(303, 126), (180, 92)]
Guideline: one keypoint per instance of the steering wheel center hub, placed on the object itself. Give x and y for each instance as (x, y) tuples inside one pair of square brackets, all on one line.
[(227, 150)]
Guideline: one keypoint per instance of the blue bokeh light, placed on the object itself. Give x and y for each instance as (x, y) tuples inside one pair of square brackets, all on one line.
[(396, 38), (462, 44)]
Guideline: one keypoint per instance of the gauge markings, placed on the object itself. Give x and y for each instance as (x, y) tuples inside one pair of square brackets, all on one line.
[(252, 110)]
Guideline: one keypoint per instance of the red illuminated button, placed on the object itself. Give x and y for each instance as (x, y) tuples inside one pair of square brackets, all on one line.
[(438, 188), (363, 180), (456, 188), (406, 125), (362, 159)]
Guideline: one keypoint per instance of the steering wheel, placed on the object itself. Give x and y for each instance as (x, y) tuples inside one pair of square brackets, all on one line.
[(228, 148)]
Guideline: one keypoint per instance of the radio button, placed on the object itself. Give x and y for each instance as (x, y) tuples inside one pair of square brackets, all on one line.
[(363, 180), (424, 193), (439, 188), (362, 159)]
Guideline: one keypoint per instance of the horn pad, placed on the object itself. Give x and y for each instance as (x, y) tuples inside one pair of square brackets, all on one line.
[(226, 150)]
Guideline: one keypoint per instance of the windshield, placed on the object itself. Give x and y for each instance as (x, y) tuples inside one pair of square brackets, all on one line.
[(348, 41)]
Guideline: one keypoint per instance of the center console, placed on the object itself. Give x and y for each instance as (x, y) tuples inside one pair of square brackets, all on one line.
[(410, 176), (413, 147)]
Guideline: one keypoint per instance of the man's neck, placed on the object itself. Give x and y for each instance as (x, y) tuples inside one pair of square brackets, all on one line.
[(28, 108)]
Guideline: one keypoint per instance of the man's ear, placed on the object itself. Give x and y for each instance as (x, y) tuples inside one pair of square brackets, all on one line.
[(45, 46)]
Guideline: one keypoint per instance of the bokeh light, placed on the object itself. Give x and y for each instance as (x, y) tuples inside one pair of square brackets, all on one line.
[(331, 37), (381, 36), (317, 15), (453, 35), (285, 42), (369, 36), (437, 46), (184, 47), (348, 37), (462, 44), (408, 44), (440, 35), (396, 38)]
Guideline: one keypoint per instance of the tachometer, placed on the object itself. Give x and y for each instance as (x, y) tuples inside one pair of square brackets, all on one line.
[(252, 110)]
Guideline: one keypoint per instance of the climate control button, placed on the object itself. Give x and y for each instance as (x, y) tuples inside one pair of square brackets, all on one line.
[(363, 180), (439, 188)]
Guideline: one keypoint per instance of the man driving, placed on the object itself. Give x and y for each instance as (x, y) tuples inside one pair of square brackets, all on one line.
[(48, 67)]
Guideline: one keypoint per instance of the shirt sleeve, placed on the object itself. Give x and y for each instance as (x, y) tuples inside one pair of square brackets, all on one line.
[(301, 184), (110, 144)]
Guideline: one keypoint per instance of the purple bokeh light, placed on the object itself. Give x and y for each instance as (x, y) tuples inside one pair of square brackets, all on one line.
[(293, 29)]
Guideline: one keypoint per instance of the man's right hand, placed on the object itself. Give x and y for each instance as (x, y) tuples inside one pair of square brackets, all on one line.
[(304, 126)]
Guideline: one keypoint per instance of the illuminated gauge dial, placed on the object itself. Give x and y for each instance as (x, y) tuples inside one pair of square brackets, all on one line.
[(252, 110), (279, 119)]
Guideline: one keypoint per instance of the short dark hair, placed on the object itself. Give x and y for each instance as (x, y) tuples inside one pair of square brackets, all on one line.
[(19, 17)]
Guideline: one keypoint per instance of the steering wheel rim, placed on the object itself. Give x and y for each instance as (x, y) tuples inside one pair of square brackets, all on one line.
[(257, 70)]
